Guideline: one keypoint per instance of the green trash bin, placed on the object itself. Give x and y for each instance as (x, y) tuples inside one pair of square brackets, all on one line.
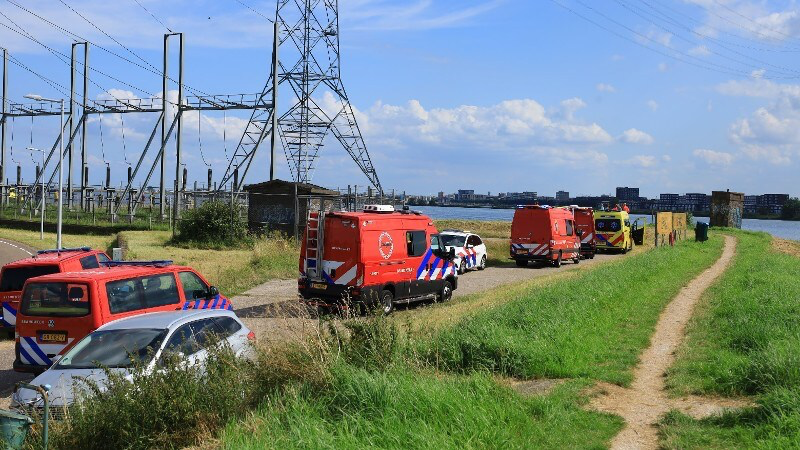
[(13, 429), (701, 232)]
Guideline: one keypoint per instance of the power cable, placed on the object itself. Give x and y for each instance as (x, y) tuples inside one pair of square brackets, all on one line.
[(53, 84), (13, 160), (750, 20), (693, 61), (713, 28), (102, 145), (153, 16), (66, 59), (200, 140), (254, 10), (150, 68), (124, 146), (638, 12)]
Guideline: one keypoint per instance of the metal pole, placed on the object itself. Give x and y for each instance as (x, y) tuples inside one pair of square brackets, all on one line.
[(60, 178), (41, 224), (84, 163), (4, 188), (162, 189), (274, 135), (178, 180), (72, 125)]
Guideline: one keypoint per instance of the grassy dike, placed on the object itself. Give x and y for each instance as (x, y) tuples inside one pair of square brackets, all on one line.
[(440, 390), (744, 340)]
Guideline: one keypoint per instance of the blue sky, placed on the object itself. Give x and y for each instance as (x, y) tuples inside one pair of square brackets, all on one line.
[(491, 95)]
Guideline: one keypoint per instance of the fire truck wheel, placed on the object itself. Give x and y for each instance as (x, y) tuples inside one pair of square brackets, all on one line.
[(577, 260), (462, 267), (387, 300), (591, 255), (521, 262), (447, 292), (483, 263), (557, 261)]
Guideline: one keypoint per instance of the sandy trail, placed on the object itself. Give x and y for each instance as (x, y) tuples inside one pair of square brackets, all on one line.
[(645, 402)]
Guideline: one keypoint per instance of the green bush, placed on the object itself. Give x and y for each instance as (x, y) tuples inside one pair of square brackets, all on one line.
[(213, 224)]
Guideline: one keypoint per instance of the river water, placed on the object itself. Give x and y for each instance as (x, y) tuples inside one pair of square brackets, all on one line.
[(779, 228)]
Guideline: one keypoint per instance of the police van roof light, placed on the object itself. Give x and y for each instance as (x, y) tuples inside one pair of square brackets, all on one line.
[(56, 250), (155, 263), (379, 208)]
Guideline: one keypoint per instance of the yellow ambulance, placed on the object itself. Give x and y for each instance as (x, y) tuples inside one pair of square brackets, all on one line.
[(612, 231)]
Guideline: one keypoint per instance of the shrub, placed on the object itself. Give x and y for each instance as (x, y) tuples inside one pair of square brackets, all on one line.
[(215, 223)]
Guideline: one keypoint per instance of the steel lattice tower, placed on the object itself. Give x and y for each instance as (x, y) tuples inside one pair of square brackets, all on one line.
[(308, 69)]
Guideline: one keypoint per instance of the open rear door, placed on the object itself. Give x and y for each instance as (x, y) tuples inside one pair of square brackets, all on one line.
[(637, 232)]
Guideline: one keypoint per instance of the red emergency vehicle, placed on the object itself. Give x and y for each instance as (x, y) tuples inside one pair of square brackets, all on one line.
[(14, 275), (376, 257), (57, 310), (543, 233), (584, 223)]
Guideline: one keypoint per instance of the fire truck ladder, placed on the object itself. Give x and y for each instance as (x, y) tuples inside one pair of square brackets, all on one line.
[(314, 236)]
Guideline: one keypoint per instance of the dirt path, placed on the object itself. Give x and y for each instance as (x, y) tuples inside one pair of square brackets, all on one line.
[(646, 401)]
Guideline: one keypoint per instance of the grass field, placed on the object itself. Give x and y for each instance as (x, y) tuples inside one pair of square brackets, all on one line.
[(402, 409), (31, 238), (232, 270), (744, 340), (593, 325)]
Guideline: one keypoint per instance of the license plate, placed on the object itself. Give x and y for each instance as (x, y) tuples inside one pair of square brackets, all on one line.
[(320, 286), (53, 337)]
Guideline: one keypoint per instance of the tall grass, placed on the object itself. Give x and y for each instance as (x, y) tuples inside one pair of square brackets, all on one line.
[(745, 341), (593, 325)]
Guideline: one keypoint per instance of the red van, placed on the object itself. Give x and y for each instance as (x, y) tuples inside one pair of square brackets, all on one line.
[(14, 275), (58, 310), (584, 223), (542, 233), (376, 257)]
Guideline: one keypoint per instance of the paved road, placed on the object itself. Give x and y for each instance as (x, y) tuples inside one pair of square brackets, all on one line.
[(9, 251)]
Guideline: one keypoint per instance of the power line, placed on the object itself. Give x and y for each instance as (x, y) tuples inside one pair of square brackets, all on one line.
[(150, 68), (153, 16), (255, 11), (751, 20), (671, 31), (656, 50), (55, 85), (65, 59)]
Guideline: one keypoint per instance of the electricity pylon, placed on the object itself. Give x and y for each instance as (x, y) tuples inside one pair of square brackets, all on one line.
[(308, 74)]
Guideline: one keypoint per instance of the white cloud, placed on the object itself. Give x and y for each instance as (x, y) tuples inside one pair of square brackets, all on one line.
[(653, 105), (643, 161), (754, 18), (638, 137), (714, 157), (700, 50), (604, 87), (663, 67)]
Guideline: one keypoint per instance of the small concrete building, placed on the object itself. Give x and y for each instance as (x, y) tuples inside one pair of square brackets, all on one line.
[(272, 205), (726, 209)]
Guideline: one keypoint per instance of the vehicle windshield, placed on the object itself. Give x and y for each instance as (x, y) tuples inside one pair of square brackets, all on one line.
[(113, 349), (15, 277), (452, 240), (55, 300), (607, 225)]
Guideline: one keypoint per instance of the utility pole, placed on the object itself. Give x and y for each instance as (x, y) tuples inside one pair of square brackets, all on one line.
[(274, 134), (84, 162), (178, 173), (162, 190), (3, 187)]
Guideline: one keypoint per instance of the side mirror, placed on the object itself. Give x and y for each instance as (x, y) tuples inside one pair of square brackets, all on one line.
[(212, 292)]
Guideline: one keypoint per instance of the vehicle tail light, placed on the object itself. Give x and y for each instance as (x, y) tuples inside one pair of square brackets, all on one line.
[(251, 336)]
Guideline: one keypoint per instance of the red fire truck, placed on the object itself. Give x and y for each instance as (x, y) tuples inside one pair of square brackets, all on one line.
[(584, 223), (545, 234), (378, 257)]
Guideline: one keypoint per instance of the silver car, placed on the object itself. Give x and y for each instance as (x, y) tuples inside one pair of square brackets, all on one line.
[(137, 340)]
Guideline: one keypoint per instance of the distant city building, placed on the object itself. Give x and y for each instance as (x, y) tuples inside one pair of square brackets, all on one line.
[(627, 194), (562, 196), (669, 199), (765, 204)]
